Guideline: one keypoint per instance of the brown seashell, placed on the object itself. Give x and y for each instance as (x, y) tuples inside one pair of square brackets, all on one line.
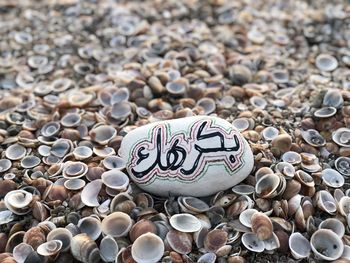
[(292, 188), (39, 211), (7, 186), (179, 242), (236, 259), (57, 192), (14, 240), (261, 226), (35, 237), (84, 249), (215, 239), (281, 144), (141, 227)]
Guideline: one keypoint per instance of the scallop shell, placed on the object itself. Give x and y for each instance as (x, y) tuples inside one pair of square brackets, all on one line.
[(147, 248)]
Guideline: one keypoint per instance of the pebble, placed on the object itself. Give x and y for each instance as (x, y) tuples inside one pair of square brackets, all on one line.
[(195, 156)]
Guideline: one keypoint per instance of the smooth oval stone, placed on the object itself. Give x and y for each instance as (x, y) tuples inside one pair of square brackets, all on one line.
[(196, 156)]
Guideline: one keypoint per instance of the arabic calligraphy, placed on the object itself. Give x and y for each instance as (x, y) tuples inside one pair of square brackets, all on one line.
[(185, 156)]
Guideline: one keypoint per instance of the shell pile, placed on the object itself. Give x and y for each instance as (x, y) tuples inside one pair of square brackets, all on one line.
[(76, 76)]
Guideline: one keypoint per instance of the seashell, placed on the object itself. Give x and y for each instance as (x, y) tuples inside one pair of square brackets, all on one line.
[(17, 201), (281, 144), (5, 165), (60, 148), (252, 243), (79, 99), (21, 252), (115, 179), (332, 178), (35, 236), (286, 169), (103, 134), (6, 216), (74, 184), (333, 98), (193, 205), (84, 249), (82, 153), (108, 249), (313, 137), (176, 87), (243, 189), (267, 185), (49, 248), (103, 151), (261, 226), (91, 226), (223, 200), (63, 235), (342, 137), (120, 110), (185, 223), (325, 62), (241, 124), (325, 112), (30, 161), (94, 173), (50, 129), (74, 170), (333, 224), (304, 178), (215, 239), (207, 258), (141, 227), (261, 172), (269, 133), (326, 202), (15, 152), (246, 217), (6, 186), (258, 102), (34, 257), (89, 195), (44, 150), (342, 164), (344, 205), (117, 224), (147, 248), (291, 157), (240, 75), (326, 245), (299, 246), (272, 243), (180, 242), (345, 256), (207, 104), (114, 162)]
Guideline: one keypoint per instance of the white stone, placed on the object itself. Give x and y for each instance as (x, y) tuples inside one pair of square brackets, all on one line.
[(193, 156)]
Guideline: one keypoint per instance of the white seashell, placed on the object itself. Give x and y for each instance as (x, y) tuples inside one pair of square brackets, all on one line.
[(299, 246), (108, 249), (89, 195), (49, 248), (346, 253), (332, 178), (344, 205), (62, 234), (267, 185), (252, 242), (246, 217), (116, 224), (326, 245), (209, 257), (326, 202), (185, 223), (18, 201), (115, 179), (272, 243), (220, 159), (91, 226), (21, 252), (147, 248), (333, 224)]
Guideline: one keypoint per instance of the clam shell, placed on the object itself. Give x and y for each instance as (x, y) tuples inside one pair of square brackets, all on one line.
[(333, 224), (270, 133), (291, 157), (326, 245), (147, 248), (246, 217), (241, 124), (21, 252), (108, 249), (62, 234), (299, 246), (325, 112), (261, 226), (243, 189), (267, 185), (114, 162), (185, 223), (50, 129), (342, 164), (74, 184), (116, 224), (115, 179), (17, 201), (15, 152), (179, 241), (215, 239), (207, 258), (82, 152), (332, 178), (252, 242), (91, 226), (30, 161), (5, 165), (325, 62), (141, 227), (84, 249), (326, 202), (193, 205), (49, 248), (103, 134), (342, 137), (89, 195)]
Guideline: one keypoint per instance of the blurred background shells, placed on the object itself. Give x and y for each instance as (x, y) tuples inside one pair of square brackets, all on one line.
[(77, 76)]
